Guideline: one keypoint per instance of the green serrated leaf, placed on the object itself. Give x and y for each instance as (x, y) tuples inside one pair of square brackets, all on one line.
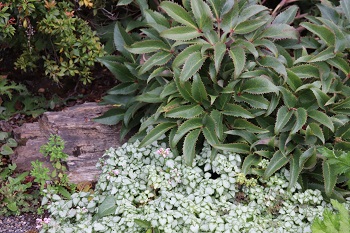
[(185, 111), (277, 161), (246, 125), (321, 118), (148, 46), (248, 26), (322, 31), (248, 162), (306, 71), (340, 63), (184, 128), (267, 44), (288, 98), (279, 31), (247, 45), (283, 117), (241, 148), (119, 70), (294, 170), (124, 88), (236, 110), (181, 33), (189, 147), (274, 63), (111, 117), (156, 133), (178, 13), (209, 130), (182, 57), (219, 52), (306, 155), (259, 85), (238, 57), (192, 65), (247, 136), (321, 97), (184, 88), (219, 126), (156, 59), (287, 16), (121, 39), (156, 20), (316, 130), (202, 14), (255, 101), (301, 118), (330, 179), (199, 92), (251, 11)]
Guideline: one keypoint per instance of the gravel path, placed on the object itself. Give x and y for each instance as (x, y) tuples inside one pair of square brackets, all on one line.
[(24, 223)]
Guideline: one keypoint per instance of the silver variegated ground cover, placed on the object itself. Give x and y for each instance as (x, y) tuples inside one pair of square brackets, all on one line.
[(149, 185)]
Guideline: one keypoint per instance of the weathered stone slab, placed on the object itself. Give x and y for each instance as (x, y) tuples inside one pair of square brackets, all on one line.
[(86, 140)]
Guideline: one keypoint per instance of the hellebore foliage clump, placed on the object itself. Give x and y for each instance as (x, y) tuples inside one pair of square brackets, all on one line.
[(230, 73)]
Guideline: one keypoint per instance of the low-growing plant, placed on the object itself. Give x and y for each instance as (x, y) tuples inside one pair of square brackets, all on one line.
[(55, 180), (333, 222), (15, 196), (243, 80), (142, 188)]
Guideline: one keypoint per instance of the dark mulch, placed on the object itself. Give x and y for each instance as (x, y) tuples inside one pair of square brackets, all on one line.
[(24, 223)]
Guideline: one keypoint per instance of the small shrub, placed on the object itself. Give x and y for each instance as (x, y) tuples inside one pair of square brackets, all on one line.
[(50, 36)]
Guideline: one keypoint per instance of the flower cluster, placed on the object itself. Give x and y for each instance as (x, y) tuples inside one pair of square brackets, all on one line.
[(150, 184), (40, 222)]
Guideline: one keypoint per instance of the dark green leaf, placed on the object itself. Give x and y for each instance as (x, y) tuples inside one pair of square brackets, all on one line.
[(283, 117), (181, 33), (124, 88), (185, 111), (178, 13), (274, 63), (330, 177), (306, 71), (315, 129), (192, 65), (111, 117), (209, 130), (322, 31), (321, 118), (189, 147), (182, 57), (255, 101), (148, 46), (121, 39), (199, 92), (277, 161), (250, 127), (259, 85), (118, 70), (248, 162), (288, 98), (340, 63), (156, 133), (236, 110), (237, 55), (287, 16), (241, 148), (184, 128), (301, 118), (202, 14), (279, 31), (157, 59), (219, 52), (248, 26)]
